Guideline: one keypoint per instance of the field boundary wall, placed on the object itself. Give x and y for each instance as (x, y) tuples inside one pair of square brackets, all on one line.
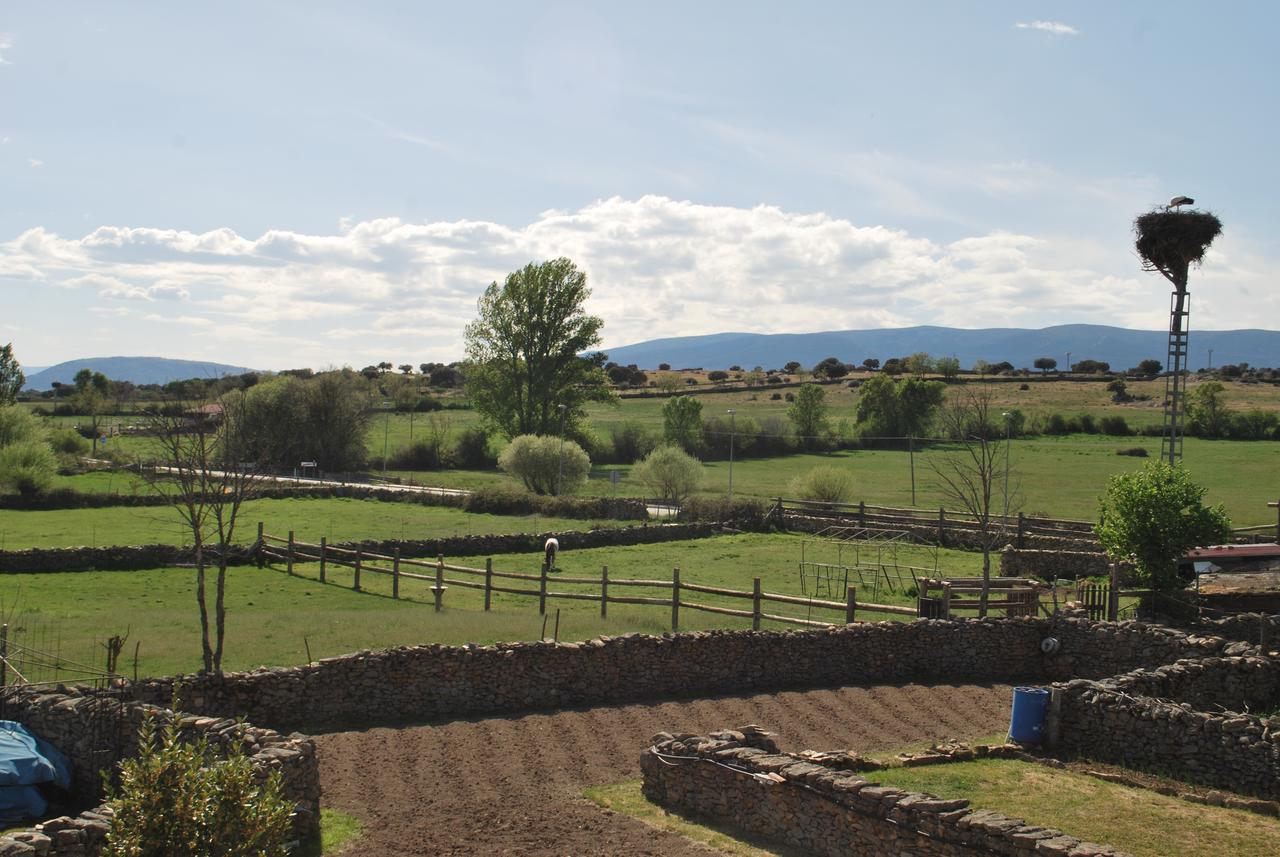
[(739, 777), (97, 730), (412, 684)]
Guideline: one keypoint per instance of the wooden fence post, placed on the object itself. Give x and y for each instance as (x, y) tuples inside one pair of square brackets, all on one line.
[(755, 604), (862, 513), (257, 548), (542, 591), (946, 601), (675, 600), (1113, 594), (942, 523), (604, 592), (324, 544), (439, 588), (395, 573), (355, 584), (488, 583), (1021, 533), (4, 654), (289, 566), (850, 604)]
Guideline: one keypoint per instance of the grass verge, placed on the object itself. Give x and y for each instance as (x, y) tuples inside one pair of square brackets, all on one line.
[(1141, 822)]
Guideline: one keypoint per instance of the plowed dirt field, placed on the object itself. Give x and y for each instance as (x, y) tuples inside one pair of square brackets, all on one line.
[(513, 785)]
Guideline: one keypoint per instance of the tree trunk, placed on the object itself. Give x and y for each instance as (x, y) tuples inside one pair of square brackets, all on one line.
[(219, 610), (986, 579), (206, 650)]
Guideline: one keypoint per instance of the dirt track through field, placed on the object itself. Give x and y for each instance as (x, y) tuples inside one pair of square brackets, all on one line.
[(513, 785)]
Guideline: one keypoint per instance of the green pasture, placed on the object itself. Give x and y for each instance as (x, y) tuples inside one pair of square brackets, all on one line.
[(1139, 821), (335, 518), (273, 618), (1058, 476)]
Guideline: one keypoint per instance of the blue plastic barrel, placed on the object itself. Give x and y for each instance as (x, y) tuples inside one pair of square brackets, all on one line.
[(1026, 725)]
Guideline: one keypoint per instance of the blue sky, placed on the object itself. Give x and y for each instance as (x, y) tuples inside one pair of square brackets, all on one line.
[(311, 183)]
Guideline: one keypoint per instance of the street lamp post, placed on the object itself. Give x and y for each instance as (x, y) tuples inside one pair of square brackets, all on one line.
[(386, 432), (732, 433), (560, 468)]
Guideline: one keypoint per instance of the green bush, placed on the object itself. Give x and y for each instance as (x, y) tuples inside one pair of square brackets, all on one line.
[(632, 441), (68, 442), (670, 472), (825, 484), (27, 466), (1115, 426), (1134, 451), (177, 799), (428, 453), (17, 425), (545, 464), (473, 449)]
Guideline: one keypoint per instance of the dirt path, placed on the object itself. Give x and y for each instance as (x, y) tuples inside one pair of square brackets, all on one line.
[(513, 785)]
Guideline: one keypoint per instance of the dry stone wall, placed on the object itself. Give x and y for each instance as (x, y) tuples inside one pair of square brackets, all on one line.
[(951, 536), (1059, 564), (425, 682), (97, 730), (738, 777)]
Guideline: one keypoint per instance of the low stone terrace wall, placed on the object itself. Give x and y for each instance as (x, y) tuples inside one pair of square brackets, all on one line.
[(738, 777), (430, 682), (97, 730), (952, 536), (1058, 564)]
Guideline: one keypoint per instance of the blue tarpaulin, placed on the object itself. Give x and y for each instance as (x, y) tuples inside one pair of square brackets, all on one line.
[(27, 761)]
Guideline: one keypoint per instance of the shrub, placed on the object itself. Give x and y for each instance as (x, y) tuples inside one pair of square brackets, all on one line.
[(670, 472), (27, 466), (1115, 426), (545, 464), (178, 798), (426, 453), (717, 376), (1087, 425), (1024, 386), (473, 448), (826, 484), (17, 425), (68, 442), (775, 397), (1058, 424), (775, 437), (1135, 451), (744, 511), (631, 442)]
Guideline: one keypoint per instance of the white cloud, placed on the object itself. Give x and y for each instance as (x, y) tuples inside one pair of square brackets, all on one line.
[(657, 267), (1056, 27), (6, 42), (35, 163)]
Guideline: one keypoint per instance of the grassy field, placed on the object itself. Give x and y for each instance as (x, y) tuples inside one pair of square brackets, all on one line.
[(1058, 476), (270, 614), (1139, 821), (335, 518)]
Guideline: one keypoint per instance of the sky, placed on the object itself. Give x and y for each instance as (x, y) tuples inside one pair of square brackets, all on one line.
[(317, 184)]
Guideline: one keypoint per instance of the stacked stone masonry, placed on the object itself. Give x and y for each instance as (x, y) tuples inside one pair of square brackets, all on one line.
[(96, 730), (738, 777), (1059, 564)]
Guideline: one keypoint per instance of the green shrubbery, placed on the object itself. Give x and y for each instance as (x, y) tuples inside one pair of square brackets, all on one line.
[(176, 799), (546, 464), (670, 472), (826, 484)]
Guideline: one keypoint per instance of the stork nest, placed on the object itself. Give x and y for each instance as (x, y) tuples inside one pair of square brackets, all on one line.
[(1169, 241)]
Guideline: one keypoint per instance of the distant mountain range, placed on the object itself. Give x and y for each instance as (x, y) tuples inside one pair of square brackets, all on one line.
[(139, 370), (1120, 347)]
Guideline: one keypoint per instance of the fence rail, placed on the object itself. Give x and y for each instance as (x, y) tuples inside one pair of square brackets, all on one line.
[(290, 551)]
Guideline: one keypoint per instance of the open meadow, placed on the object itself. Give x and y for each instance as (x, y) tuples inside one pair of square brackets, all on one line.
[(272, 618)]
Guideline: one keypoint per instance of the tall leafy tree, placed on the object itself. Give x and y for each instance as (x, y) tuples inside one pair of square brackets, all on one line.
[(682, 422), (11, 377), (808, 414), (1155, 515), (526, 348)]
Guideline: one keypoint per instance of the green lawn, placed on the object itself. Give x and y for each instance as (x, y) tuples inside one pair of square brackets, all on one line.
[(270, 614), (1139, 821), (337, 519)]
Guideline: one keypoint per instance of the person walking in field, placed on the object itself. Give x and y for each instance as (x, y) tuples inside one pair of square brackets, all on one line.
[(551, 548)]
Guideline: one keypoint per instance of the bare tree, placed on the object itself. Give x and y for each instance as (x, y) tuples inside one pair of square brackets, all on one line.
[(975, 475), (196, 466)]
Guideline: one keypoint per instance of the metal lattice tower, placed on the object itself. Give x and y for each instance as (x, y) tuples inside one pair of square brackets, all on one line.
[(1175, 384)]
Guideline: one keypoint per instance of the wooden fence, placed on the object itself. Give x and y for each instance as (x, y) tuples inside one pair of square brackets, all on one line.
[(440, 576), (887, 518)]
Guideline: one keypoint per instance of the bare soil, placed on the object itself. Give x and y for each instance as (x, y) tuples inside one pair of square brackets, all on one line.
[(513, 784)]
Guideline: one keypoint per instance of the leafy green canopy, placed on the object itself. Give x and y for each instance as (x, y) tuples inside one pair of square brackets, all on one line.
[(525, 349), (1153, 516), (808, 414), (546, 464), (682, 422), (892, 409), (11, 377), (670, 472)]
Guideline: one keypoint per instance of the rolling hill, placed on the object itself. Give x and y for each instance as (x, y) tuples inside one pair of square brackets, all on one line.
[(139, 370), (1120, 347)]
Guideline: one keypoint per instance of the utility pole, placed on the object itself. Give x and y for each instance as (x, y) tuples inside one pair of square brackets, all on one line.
[(1210, 358), (1068, 361), (1008, 426)]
